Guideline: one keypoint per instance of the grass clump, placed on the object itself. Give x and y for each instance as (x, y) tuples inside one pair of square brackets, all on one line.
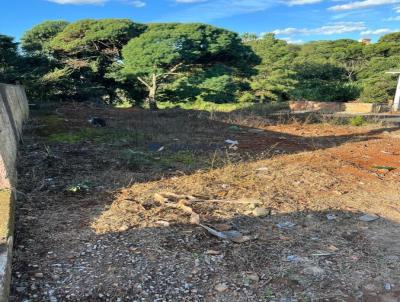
[(136, 159), (184, 157), (204, 106), (78, 188), (358, 121), (98, 135)]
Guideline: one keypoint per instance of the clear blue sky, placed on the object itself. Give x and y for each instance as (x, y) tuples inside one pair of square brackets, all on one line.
[(295, 20)]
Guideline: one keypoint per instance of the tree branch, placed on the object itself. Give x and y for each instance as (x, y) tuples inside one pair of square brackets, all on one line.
[(144, 82), (171, 71)]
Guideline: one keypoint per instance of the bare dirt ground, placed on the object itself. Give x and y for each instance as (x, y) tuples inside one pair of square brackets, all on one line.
[(121, 213)]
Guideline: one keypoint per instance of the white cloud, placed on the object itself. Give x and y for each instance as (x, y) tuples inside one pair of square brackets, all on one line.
[(206, 11), (397, 18), (380, 31), (362, 4), (138, 3), (301, 2), (292, 41), (135, 3), (77, 2), (330, 29)]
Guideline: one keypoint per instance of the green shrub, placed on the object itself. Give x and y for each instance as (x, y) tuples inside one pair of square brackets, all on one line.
[(247, 97), (358, 121)]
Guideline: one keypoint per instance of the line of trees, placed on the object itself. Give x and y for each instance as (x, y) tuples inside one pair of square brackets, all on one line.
[(114, 60)]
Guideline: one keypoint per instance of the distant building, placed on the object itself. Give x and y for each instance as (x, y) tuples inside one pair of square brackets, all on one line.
[(365, 41)]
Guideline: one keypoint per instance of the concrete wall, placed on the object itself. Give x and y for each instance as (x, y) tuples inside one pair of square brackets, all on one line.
[(365, 108), (316, 106), (13, 112), (331, 107)]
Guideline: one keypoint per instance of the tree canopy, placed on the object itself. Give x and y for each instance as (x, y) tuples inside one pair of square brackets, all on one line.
[(113, 60), (9, 59), (164, 50), (37, 39)]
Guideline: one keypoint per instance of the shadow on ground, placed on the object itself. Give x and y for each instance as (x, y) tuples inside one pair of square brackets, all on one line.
[(315, 259)]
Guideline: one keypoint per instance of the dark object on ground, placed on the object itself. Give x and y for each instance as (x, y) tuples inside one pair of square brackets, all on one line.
[(97, 121)]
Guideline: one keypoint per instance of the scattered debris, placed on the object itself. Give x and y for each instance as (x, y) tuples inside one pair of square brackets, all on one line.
[(292, 258), (221, 287), (313, 270), (388, 168), (242, 239), (194, 218), (232, 144), (154, 147), (261, 212), (387, 286), (285, 225), (78, 188), (124, 228), (331, 217), (368, 217), (38, 275), (231, 235), (321, 254), (222, 227), (262, 169), (163, 223), (251, 277), (255, 130), (213, 252), (97, 121)]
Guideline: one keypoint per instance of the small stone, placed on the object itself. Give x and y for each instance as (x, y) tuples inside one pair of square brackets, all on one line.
[(20, 289), (213, 252), (368, 217), (313, 270), (260, 212), (123, 228), (252, 276), (221, 287), (163, 223), (222, 227), (38, 275)]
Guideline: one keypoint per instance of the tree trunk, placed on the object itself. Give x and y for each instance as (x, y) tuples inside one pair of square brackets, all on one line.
[(152, 94)]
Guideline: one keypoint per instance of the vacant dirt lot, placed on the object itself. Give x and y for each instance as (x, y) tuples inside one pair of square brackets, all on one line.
[(127, 212)]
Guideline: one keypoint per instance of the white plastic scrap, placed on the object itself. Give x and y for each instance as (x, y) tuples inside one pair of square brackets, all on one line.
[(331, 216), (232, 144)]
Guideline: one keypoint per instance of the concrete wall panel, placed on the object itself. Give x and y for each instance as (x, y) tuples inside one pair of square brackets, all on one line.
[(14, 110)]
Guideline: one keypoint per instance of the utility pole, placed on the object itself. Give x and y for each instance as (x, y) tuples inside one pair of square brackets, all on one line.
[(396, 103)]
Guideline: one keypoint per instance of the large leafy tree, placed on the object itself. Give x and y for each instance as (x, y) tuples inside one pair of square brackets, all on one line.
[(319, 80), (91, 54), (39, 61), (166, 50), (275, 79), (36, 41), (9, 60)]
